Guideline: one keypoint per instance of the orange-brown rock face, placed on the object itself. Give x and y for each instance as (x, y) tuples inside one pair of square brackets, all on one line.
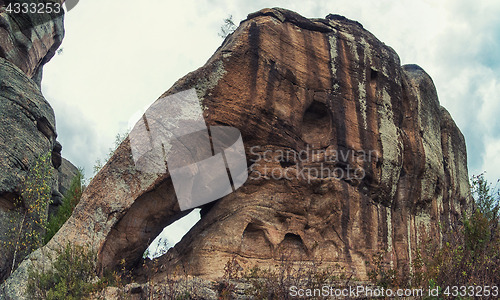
[(349, 154), (315, 100)]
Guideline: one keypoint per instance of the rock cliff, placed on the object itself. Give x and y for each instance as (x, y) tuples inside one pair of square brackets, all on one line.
[(350, 154), (27, 121)]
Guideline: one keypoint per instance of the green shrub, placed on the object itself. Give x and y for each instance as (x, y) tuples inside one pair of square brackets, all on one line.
[(486, 197), (476, 232), (463, 262), (70, 200), (71, 276)]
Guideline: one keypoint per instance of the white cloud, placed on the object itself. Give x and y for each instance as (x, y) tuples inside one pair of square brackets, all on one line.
[(492, 160)]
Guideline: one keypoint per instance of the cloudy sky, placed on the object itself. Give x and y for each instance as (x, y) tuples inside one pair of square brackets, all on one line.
[(119, 56)]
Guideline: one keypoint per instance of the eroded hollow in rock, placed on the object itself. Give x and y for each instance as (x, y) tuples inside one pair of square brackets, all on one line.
[(292, 245), (255, 242), (316, 125)]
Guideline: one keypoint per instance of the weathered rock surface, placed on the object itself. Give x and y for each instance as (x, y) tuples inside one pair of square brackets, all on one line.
[(329, 91), (27, 131), (27, 122), (30, 40), (66, 173)]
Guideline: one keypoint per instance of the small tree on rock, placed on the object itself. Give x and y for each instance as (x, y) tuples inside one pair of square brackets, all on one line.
[(228, 27)]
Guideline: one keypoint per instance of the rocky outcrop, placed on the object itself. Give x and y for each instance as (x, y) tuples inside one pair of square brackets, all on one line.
[(350, 154), (30, 40), (27, 121)]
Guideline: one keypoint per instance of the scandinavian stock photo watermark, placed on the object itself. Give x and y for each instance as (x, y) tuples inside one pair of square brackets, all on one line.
[(310, 163), (371, 292), (359, 291)]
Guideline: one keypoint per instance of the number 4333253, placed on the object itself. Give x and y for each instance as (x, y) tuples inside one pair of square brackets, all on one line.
[(34, 8), (472, 291)]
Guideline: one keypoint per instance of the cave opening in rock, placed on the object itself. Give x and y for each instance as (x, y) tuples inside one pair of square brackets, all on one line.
[(316, 125), (254, 241), (293, 246)]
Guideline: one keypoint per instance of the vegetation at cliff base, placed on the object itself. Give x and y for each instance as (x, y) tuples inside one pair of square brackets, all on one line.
[(472, 256), (71, 276), (469, 256)]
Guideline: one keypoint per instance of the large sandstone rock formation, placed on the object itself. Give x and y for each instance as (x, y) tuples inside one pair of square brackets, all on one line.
[(329, 91), (291, 84), (27, 121)]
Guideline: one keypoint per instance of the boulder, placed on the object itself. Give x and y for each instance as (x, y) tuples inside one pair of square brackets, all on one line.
[(350, 155)]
